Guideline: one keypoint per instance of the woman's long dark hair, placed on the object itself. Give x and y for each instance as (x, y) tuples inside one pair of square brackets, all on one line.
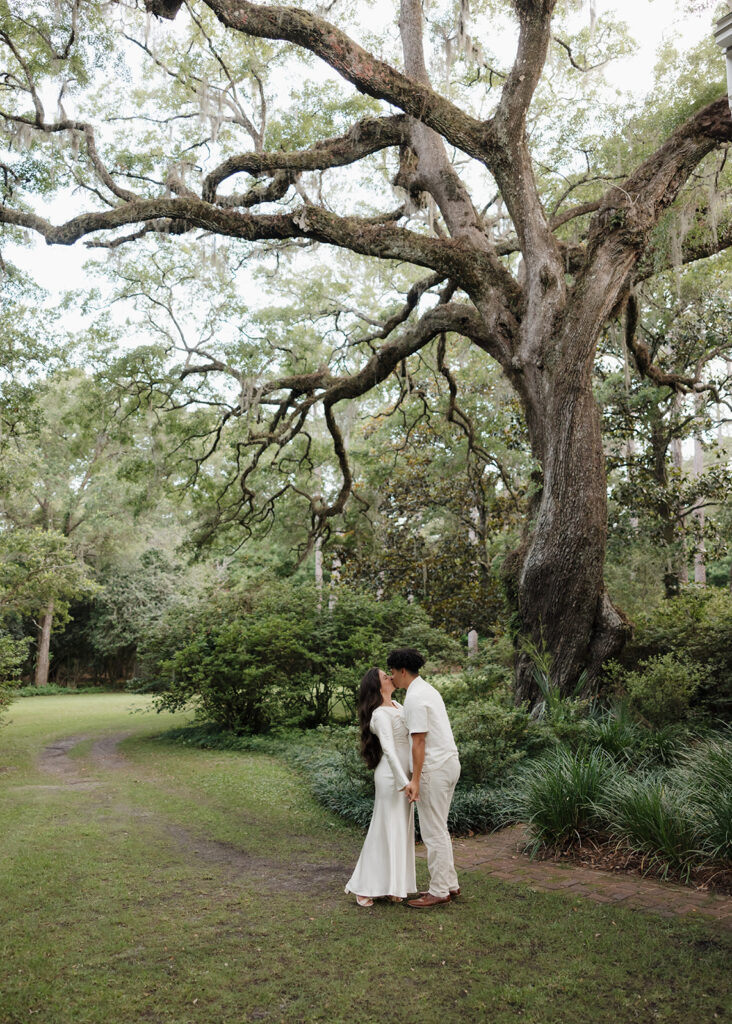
[(369, 699)]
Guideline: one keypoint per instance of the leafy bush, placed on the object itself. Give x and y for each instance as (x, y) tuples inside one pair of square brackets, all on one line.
[(13, 652), (480, 809), (695, 627), (491, 739), (617, 730), (488, 677), (268, 656), (661, 690), (557, 794), (106, 631)]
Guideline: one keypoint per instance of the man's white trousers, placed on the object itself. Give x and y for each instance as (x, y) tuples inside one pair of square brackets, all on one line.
[(436, 788)]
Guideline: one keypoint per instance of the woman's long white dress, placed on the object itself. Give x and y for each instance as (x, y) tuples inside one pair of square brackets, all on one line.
[(386, 865)]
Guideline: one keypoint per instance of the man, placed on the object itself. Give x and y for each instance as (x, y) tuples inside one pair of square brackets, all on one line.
[(435, 770)]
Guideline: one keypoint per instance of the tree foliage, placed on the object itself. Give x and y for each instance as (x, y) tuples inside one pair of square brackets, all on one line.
[(513, 204), (258, 657)]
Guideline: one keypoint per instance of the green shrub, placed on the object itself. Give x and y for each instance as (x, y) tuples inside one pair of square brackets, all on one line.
[(268, 656), (491, 739), (618, 730), (661, 690), (13, 652), (696, 627), (476, 809), (556, 794)]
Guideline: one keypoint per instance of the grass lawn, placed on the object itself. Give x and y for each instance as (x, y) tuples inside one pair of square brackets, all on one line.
[(177, 885)]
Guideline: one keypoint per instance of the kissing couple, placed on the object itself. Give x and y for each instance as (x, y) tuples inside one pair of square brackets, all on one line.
[(397, 740)]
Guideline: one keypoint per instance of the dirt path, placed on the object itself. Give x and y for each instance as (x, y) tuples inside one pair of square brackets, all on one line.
[(105, 758), (56, 760), (499, 854)]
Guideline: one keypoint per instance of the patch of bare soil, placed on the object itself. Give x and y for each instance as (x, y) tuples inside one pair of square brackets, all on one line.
[(274, 876), (609, 855), (105, 752), (55, 761)]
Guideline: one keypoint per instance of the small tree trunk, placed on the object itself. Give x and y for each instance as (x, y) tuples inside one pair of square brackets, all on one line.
[(43, 659), (700, 569), (335, 575), (678, 464), (319, 569)]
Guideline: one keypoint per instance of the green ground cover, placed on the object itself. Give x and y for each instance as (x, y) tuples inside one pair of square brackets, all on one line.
[(182, 885)]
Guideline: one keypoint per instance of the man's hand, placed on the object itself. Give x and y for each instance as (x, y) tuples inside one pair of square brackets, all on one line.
[(418, 742)]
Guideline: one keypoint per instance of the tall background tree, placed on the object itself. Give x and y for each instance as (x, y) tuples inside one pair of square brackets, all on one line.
[(517, 226)]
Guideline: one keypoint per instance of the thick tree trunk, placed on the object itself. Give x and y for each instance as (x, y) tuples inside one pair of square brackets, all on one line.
[(43, 659), (557, 575)]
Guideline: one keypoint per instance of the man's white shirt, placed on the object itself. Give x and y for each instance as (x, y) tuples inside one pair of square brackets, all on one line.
[(424, 711)]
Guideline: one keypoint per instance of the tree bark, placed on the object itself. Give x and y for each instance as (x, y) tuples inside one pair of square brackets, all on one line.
[(556, 577), (43, 659)]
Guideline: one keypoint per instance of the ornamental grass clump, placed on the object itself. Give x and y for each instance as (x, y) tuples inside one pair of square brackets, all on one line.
[(558, 792), (616, 731), (653, 817), (704, 776)]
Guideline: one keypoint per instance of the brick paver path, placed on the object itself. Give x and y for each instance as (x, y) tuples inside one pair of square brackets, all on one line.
[(500, 855)]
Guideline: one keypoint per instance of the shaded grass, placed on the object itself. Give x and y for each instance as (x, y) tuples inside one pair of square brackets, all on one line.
[(107, 916)]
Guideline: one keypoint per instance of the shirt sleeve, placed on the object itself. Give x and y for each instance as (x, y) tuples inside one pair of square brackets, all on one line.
[(416, 716), (381, 726)]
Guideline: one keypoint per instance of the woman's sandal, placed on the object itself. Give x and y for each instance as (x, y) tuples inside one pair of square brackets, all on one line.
[(364, 901), (395, 899)]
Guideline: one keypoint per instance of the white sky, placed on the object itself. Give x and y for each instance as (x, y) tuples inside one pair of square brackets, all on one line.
[(59, 268)]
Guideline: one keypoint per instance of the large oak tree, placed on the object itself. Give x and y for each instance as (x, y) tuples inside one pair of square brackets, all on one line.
[(511, 278)]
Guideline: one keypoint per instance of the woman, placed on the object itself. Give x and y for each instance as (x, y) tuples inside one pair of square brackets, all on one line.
[(386, 865)]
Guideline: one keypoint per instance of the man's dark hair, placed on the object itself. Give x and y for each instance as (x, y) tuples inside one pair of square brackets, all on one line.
[(406, 657)]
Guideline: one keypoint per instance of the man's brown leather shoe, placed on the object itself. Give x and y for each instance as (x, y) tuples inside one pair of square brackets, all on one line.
[(428, 900), (454, 893)]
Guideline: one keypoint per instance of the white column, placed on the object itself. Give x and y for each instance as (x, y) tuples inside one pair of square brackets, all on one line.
[(473, 643), (723, 37)]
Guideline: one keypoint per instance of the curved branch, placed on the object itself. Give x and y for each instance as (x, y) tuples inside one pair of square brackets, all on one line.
[(644, 360), (365, 137), (382, 240), (629, 212)]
